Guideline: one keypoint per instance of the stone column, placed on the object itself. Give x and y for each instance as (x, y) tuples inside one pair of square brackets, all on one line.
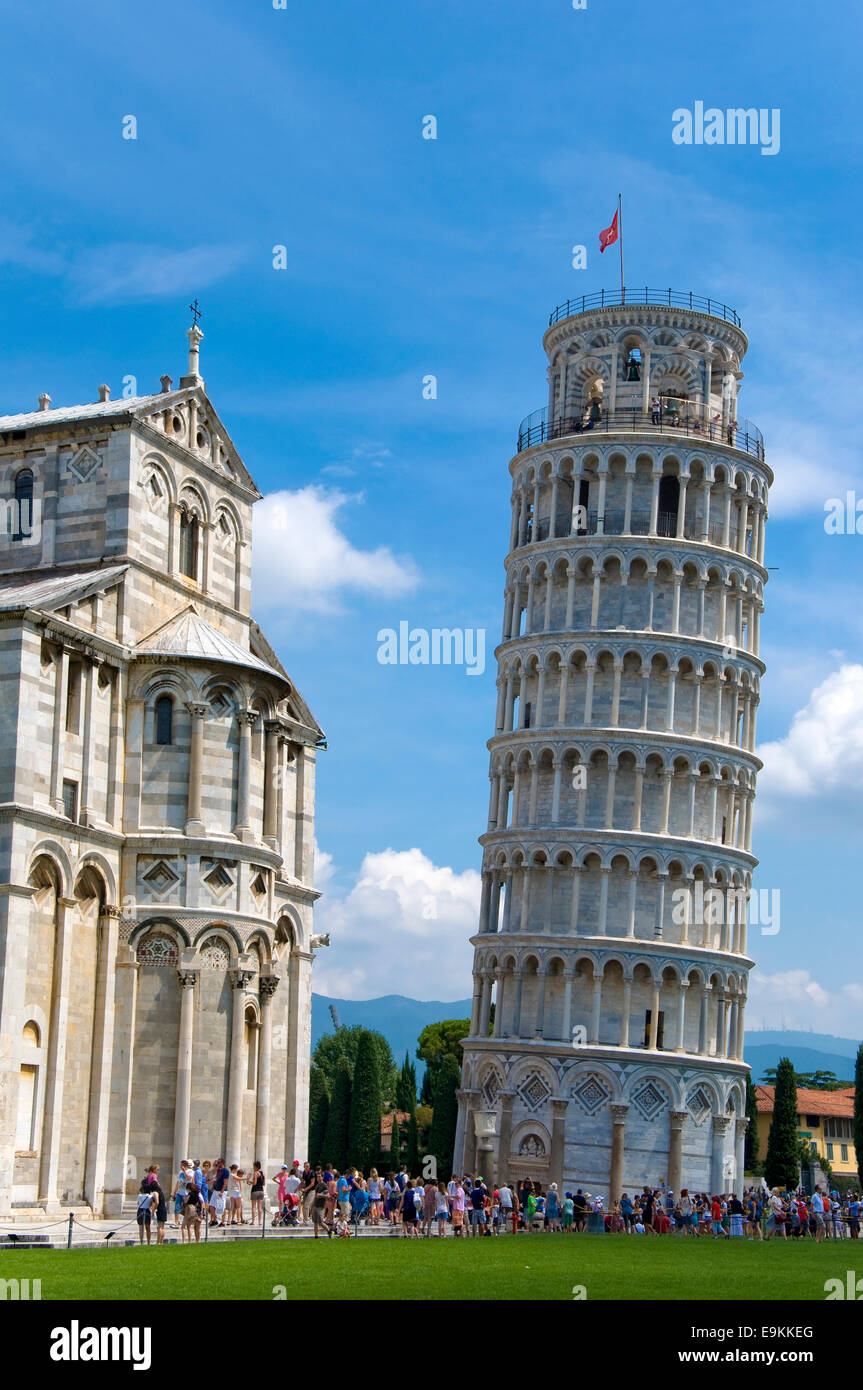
[(194, 823), (558, 1140), (561, 699), (494, 902), (485, 1005), (653, 1036), (555, 791), (116, 755), (706, 991), (61, 691), (633, 903), (236, 1076), (89, 675), (677, 1120), (525, 896), (618, 1137), (625, 1012), (538, 1026), (596, 1012), (464, 1153), (187, 980), (103, 1048), (681, 1023), (717, 1176), (269, 985), (740, 1127), (246, 718), (49, 1166), (602, 926), (504, 1143), (272, 778)]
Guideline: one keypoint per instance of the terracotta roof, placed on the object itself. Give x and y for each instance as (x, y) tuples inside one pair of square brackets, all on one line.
[(387, 1121), (839, 1104)]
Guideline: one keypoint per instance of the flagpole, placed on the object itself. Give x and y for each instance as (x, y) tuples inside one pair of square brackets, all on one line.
[(620, 238)]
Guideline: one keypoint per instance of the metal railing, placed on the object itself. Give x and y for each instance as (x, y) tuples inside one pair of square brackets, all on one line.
[(672, 299), (674, 417)]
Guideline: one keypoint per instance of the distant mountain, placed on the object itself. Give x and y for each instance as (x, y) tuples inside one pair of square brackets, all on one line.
[(765, 1047), (401, 1021)]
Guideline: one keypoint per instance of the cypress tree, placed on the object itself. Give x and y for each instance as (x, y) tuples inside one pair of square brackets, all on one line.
[(412, 1160), (406, 1087), (338, 1121), (858, 1111), (395, 1146), (442, 1136), (750, 1152), (427, 1089), (365, 1117), (782, 1164), (319, 1109)]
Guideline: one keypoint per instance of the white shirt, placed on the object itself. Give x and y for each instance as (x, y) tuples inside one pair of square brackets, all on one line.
[(505, 1197)]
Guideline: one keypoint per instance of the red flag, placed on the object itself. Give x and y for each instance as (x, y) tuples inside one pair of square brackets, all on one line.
[(609, 236)]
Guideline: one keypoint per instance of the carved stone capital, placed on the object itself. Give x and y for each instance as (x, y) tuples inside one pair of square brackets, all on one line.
[(619, 1113), (678, 1119), (187, 979), (240, 978), (269, 985)]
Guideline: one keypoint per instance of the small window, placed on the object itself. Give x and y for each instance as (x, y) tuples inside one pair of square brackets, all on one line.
[(164, 719), (527, 712), (189, 544), (844, 1152), (829, 1153), (660, 1028), (30, 1034), (70, 799), (23, 518), (813, 1121), (73, 698)]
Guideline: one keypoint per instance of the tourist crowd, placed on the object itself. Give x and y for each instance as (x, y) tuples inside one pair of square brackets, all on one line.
[(215, 1194)]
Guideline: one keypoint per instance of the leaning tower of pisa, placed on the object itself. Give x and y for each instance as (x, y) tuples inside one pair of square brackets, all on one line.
[(611, 959)]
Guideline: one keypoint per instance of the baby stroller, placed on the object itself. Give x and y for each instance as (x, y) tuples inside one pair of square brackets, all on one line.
[(288, 1214), (360, 1204)]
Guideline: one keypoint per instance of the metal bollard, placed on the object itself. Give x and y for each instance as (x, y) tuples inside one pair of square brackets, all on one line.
[(69, 1235), (263, 1218)]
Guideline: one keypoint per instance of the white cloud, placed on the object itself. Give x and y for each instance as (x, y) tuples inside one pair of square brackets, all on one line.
[(122, 274), (404, 927), (303, 561), (793, 999), (823, 749)]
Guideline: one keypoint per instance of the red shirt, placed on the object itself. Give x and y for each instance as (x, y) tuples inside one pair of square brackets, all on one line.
[(716, 1211)]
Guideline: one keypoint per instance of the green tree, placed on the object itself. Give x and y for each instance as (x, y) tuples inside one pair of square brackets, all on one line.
[(781, 1165), (364, 1135), (858, 1111), (412, 1157), (337, 1131), (440, 1040), (345, 1042), (395, 1146), (406, 1087), (750, 1150), (427, 1089), (319, 1109), (442, 1136)]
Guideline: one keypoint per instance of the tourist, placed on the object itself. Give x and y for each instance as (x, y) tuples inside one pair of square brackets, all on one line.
[(776, 1220), (343, 1195), (391, 1198), (818, 1214), (626, 1212), (308, 1190), (318, 1202), (375, 1196), (192, 1208), (456, 1200), (656, 411), (148, 1200), (735, 1210), (429, 1208), (685, 1205), (235, 1195), (441, 1208), (505, 1198), (206, 1179), (552, 1208), (179, 1193), (476, 1199), (407, 1209), (258, 1184)]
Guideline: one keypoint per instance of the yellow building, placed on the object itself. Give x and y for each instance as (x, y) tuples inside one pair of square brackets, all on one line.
[(824, 1118)]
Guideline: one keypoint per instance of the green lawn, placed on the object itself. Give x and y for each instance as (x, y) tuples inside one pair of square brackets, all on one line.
[(538, 1266)]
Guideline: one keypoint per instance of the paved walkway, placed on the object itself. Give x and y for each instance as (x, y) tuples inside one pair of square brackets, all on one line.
[(90, 1233)]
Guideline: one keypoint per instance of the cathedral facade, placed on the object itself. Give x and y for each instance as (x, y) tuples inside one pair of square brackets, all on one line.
[(617, 859), (156, 814)]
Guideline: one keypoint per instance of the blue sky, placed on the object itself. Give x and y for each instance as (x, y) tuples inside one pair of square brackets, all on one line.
[(406, 257)]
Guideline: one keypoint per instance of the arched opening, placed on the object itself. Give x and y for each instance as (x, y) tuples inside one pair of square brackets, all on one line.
[(669, 499), (189, 536), (23, 519)]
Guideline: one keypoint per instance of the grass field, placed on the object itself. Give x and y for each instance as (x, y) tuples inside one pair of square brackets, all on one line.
[(538, 1266)]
